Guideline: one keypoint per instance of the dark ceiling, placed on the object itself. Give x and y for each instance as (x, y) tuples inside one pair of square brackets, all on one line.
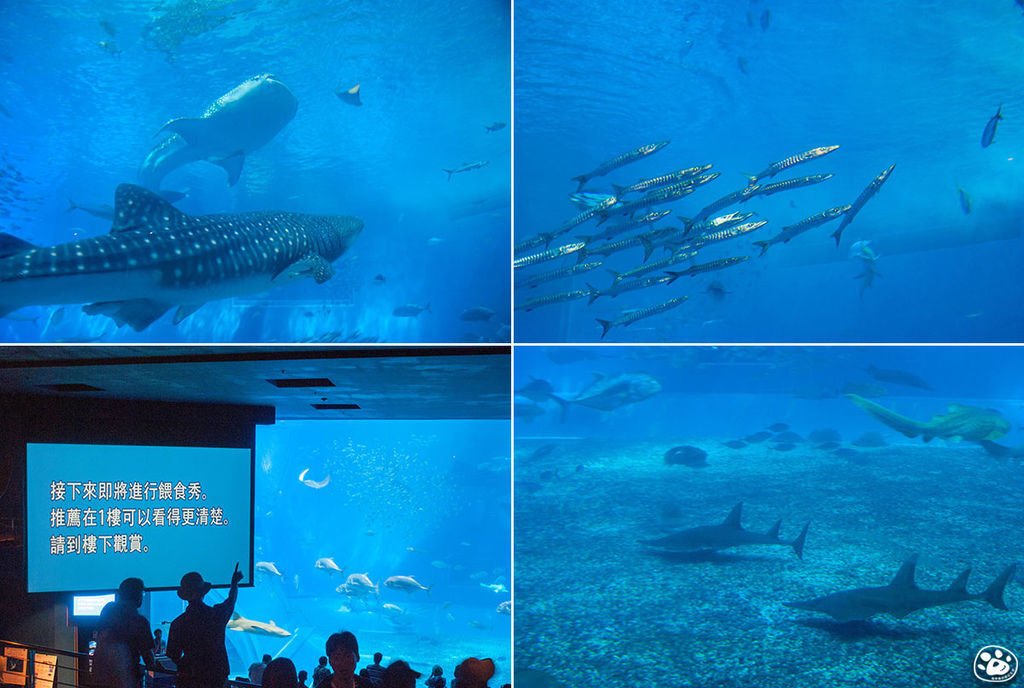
[(385, 382)]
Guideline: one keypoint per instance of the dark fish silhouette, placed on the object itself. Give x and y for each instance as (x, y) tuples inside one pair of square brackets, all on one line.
[(735, 444), (990, 128), (778, 427), (898, 377), (958, 423), (730, 533), (694, 457)]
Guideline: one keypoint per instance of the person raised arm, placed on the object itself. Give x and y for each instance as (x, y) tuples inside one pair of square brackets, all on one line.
[(227, 607)]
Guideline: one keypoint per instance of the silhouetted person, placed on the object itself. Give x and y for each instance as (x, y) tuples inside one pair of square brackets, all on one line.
[(375, 672), (343, 654), (399, 675), (321, 673), (437, 679), (473, 673), (280, 673), (123, 638), (256, 670), (195, 641), (159, 646), (303, 675)]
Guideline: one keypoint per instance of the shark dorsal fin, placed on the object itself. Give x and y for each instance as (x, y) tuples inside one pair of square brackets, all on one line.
[(774, 532), (960, 584), (235, 615), (904, 578), (733, 519), (137, 208)]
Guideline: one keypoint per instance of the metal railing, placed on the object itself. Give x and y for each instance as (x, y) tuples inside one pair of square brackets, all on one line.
[(21, 668)]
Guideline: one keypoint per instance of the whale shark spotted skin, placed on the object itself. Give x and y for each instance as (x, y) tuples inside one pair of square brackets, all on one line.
[(240, 121), (156, 258)]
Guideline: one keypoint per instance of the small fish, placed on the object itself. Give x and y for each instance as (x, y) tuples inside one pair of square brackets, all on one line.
[(466, 167), (380, 279), (496, 126), (790, 231), (110, 47), (550, 254), (350, 95), (327, 564), (410, 310), (766, 19), (717, 291), (990, 128), (735, 444), (965, 201), (685, 455), (784, 446), (109, 28)]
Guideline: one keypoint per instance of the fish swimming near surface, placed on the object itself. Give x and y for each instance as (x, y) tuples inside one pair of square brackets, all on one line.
[(898, 377), (466, 167), (990, 128), (694, 457), (315, 484), (157, 257), (618, 161), (240, 623), (873, 187), (349, 95), (726, 535), (784, 164), (496, 126), (268, 567), (239, 122), (902, 596), (327, 564), (410, 310), (960, 422), (406, 583), (611, 392)]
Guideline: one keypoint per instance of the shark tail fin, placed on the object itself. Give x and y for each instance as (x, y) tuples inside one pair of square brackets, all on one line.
[(450, 173), (798, 544), (763, 245), (605, 326), (960, 584), (994, 593), (581, 181), (774, 531)]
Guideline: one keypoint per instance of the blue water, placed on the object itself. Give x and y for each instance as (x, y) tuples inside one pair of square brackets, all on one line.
[(593, 605), (78, 120), (591, 84), (428, 500)]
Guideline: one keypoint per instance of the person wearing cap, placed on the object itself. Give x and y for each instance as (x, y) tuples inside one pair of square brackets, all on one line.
[(399, 675), (195, 641), (437, 679), (343, 653), (473, 673), (122, 639)]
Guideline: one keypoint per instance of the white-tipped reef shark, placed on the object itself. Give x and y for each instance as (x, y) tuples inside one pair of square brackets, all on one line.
[(156, 258), (240, 121), (960, 422), (902, 596), (726, 535)]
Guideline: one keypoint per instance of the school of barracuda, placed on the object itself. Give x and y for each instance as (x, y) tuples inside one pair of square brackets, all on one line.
[(634, 219)]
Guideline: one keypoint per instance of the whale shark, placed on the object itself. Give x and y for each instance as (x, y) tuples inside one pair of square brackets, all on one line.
[(958, 423), (725, 535), (157, 257), (902, 596), (240, 121)]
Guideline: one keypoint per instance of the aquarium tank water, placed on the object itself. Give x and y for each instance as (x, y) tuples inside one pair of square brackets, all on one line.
[(391, 115), (426, 500)]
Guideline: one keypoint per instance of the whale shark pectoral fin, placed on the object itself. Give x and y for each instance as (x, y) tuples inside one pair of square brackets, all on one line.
[(136, 313), (191, 129), (10, 245), (136, 207), (186, 310), (313, 265), (233, 166)]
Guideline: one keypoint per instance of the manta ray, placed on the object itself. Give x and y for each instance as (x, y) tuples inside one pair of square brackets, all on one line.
[(156, 258), (960, 422)]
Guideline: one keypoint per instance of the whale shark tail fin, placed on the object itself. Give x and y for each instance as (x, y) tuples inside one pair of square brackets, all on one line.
[(233, 166)]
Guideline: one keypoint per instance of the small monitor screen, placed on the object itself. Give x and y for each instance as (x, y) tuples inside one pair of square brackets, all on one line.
[(89, 605), (97, 514)]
